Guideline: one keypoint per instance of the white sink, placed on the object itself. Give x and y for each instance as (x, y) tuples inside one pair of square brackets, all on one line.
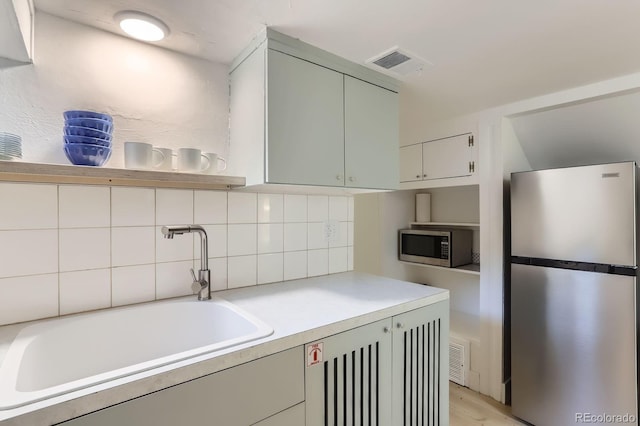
[(58, 356)]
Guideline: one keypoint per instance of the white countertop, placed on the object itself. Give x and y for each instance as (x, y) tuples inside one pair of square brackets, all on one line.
[(299, 311)]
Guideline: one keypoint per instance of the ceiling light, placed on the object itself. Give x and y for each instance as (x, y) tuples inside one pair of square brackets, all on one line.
[(142, 26)]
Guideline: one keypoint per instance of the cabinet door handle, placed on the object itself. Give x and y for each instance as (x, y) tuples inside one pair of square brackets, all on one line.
[(399, 325), (424, 175), (352, 179), (417, 176), (339, 177), (386, 329)]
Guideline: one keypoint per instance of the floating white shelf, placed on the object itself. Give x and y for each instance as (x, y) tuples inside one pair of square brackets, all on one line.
[(473, 268), (460, 224), (17, 171)]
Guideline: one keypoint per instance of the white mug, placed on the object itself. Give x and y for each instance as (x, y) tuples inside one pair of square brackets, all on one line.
[(214, 163), (139, 155), (190, 160), (166, 162)]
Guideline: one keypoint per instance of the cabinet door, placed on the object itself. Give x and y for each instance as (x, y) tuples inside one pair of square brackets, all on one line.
[(421, 366), (446, 158), (294, 416), (411, 163), (238, 396), (371, 135), (348, 377), (305, 125)]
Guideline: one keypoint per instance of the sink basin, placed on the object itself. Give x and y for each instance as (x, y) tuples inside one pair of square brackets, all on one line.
[(59, 356)]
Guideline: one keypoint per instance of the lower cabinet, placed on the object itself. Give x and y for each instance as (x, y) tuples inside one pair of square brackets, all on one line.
[(392, 372), (240, 396)]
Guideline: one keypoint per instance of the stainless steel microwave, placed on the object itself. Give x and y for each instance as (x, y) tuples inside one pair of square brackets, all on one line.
[(442, 247)]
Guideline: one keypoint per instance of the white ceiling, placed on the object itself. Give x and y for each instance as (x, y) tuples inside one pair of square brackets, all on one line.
[(485, 53)]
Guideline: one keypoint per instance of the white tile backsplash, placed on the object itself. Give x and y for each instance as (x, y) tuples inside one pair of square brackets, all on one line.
[(316, 236), (85, 291), (28, 252), (133, 206), (341, 235), (270, 208), (318, 208), (270, 268), (210, 207), (217, 238), (72, 248), (317, 262), (243, 207), (27, 206), (295, 208), (339, 208), (218, 269), (173, 279), (338, 260), (295, 265), (174, 207), (28, 298), (133, 284), (270, 238), (242, 271), (133, 245), (295, 236), (242, 240), (84, 206), (82, 249)]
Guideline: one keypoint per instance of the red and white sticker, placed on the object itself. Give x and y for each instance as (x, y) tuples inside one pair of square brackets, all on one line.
[(314, 354)]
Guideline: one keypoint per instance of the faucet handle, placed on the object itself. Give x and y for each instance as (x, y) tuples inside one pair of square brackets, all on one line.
[(197, 285)]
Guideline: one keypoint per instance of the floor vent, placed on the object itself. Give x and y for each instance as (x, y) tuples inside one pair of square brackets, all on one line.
[(458, 360), (396, 61)]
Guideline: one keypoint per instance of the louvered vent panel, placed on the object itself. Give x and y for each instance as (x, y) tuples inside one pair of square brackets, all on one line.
[(422, 375), (351, 388), (456, 363)]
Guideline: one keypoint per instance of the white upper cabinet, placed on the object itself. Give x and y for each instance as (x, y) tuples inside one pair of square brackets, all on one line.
[(305, 123), (411, 163), (16, 32), (303, 116), (371, 135), (447, 158)]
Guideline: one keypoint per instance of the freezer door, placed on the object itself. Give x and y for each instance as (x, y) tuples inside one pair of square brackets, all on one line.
[(573, 337), (584, 214)]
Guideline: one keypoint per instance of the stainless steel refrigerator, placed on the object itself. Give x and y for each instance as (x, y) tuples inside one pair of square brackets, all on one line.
[(573, 295)]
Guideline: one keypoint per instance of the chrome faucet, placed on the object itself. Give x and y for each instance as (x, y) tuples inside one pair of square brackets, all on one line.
[(201, 285)]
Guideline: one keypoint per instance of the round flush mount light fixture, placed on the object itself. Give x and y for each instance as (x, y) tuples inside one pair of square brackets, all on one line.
[(142, 26)]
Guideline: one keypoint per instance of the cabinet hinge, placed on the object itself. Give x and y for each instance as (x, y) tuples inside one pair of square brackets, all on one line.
[(472, 166), (471, 140)]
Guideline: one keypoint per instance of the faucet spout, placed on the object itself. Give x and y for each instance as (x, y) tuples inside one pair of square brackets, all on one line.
[(204, 275)]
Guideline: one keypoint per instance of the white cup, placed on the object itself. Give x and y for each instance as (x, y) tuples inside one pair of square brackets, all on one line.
[(214, 163), (190, 160), (163, 160), (139, 155)]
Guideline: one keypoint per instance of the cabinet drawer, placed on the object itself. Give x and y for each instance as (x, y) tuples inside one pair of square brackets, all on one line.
[(240, 396)]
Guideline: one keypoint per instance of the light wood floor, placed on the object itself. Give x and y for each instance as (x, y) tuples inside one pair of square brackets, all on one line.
[(469, 408)]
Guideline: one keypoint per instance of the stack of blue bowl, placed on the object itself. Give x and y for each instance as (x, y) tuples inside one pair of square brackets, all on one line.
[(87, 137)]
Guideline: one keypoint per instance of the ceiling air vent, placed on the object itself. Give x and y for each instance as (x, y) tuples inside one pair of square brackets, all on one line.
[(397, 61)]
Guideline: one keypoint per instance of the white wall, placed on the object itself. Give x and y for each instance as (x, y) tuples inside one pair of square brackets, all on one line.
[(155, 95)]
